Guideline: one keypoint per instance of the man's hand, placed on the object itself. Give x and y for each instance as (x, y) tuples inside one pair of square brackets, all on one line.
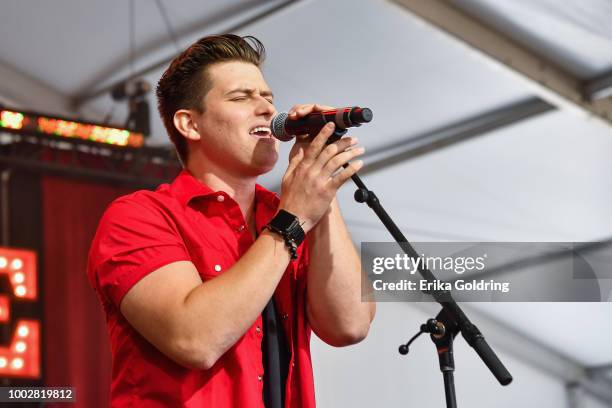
[(314, 176)]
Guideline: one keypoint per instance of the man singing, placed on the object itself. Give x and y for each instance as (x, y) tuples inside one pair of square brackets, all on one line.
[(211, 284)]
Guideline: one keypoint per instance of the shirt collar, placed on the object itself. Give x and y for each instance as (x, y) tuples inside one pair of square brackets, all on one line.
[(186, 187)]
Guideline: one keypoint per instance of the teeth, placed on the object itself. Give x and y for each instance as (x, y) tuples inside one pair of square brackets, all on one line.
[(260, 129)]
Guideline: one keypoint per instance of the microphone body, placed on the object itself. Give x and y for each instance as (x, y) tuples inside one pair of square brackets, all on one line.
[(284, 128)]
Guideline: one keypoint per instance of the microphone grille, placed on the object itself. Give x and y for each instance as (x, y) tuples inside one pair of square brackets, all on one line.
[(278, 127)]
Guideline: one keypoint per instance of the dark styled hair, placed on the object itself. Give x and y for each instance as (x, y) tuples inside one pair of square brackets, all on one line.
[(186, 81)]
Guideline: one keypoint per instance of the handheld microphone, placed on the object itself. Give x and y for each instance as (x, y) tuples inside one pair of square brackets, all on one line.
[(284, 128)]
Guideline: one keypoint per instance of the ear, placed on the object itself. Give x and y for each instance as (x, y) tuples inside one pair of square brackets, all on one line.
[(185, 123)]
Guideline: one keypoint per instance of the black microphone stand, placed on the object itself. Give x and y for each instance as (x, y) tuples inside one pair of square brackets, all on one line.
[(450, 320)]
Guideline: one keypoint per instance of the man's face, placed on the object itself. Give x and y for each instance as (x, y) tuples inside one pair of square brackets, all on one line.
[(234, 127)]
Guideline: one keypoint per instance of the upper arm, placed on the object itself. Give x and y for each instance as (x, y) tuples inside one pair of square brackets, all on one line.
[(154, 307), (139, 264)]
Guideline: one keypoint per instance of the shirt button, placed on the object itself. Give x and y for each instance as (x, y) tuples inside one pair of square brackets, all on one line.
[(259, 378), (220, 198), (218, 268), (258, 329), (241, 228), (284, 316)]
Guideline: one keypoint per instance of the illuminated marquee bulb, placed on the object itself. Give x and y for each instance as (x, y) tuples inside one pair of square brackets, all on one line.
[(3, 362), (3, 262), (17, 264), (23, 331), (20, 291), (11, 120), (19, 277), (20, 347), (17, 363)]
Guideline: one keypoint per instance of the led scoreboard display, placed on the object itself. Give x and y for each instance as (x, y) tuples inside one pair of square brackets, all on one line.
[(33, 123), (20, 357)]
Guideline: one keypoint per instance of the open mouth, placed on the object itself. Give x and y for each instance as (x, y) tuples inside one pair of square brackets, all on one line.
[(262, 132)]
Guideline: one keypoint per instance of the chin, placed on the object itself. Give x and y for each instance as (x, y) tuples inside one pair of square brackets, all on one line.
[(264, 161), (263, 168)]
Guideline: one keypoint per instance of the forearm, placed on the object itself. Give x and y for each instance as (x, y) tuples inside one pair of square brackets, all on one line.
[(219, 311), (335, 308)]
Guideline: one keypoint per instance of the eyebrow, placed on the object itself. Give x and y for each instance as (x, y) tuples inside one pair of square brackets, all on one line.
[(250, 91)]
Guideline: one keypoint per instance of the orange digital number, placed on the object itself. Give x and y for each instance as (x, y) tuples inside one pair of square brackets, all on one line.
[(21, 357)]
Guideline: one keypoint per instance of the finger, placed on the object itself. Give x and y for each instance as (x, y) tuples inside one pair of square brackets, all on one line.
[(320, 108), (299, 111), (342, 158), (295, 160), (333, 149), (340, 178), (302, 140), (317, 144)]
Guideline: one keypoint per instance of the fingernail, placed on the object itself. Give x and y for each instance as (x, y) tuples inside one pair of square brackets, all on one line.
[(361, 149), (358, 163), (354, 141), (330, 125)]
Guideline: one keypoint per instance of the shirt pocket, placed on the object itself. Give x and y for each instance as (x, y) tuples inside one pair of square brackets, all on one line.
[(211, 262)]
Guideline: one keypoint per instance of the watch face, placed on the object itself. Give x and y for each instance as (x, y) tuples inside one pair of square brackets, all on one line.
[(288, 225), (284, 220)]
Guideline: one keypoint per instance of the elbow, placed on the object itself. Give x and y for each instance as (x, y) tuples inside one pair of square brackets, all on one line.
[(348, 336), (352, 332), (355, 336), (193, 355), (344, 332)]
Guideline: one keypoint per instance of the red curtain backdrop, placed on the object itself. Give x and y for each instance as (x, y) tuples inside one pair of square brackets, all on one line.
[(76, 348)]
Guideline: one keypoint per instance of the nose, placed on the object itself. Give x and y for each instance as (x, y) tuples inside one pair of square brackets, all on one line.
[(265, 108)]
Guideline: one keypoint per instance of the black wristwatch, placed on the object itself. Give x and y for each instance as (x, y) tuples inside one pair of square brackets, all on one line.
[(288, 226)]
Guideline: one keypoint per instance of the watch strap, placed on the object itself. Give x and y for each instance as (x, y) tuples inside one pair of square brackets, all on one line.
[(288, 226)]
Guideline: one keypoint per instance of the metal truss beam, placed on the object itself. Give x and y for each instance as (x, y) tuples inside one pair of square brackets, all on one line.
[(600, 87), (418, 145), (603, 371), (520, 264), (550, 82)]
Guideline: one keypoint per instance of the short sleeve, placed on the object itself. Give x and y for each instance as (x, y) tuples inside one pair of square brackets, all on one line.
[(133, 239)]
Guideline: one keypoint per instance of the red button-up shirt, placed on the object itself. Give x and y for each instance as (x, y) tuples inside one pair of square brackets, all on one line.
[(186, 220)]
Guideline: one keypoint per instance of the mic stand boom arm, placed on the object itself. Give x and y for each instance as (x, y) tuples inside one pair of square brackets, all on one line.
[(454, 316)]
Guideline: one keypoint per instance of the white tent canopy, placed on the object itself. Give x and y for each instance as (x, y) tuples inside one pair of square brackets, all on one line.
[(507, 158)]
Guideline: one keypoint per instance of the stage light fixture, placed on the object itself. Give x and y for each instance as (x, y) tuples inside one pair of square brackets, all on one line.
[(23, 122), (135, 92)]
